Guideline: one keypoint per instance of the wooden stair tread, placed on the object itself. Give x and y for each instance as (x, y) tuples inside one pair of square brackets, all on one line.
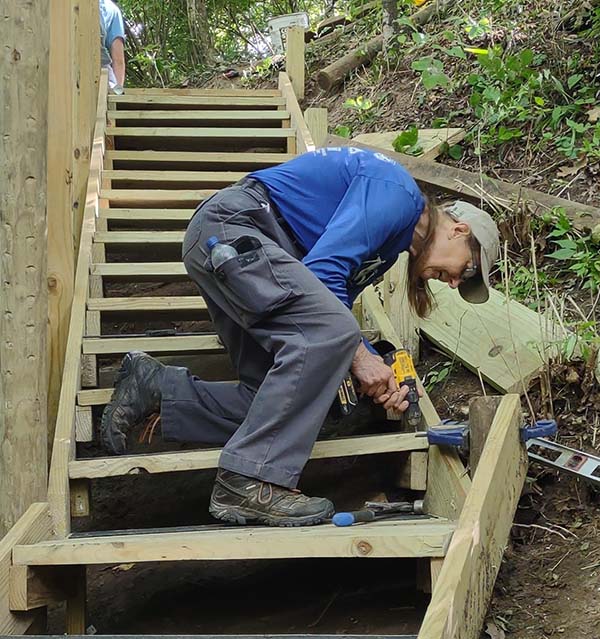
[(180, 114), (115, 304), (216, 101), (200, 92), (205, 157), (209, 458), (208, 343), (224, 177), (139, 237), (419, 537), (156, 196), (200, 132), (139, 269)]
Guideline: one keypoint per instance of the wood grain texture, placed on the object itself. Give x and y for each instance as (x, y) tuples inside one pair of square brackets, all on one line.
[(304, 141), (214, 101)]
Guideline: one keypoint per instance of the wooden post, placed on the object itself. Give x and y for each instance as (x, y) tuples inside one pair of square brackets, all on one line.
[(316, 121), (86, 75), (76, 603), (61, 272), (294, 59), (481, 415), (24, 300), (397, 307)]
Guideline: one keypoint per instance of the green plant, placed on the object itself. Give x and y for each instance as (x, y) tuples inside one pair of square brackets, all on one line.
[(343, 131), (436, 375), (408, 142), (579, 252), (362, 106), (432, 72)]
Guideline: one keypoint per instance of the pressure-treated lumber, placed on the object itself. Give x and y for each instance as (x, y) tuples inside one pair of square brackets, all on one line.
[(138, 215), (32, 588), (222, 178), (210, 158), (316, 121), (115, 345), (35, 525), (221, 133), (482, 411), (187, 101), (464, 587), (139, 237), (416, 538), (24, 38), (294, 59), (155, 197), (147, 91), (304, 141), (209, 458), (199, 116), (134, 270), (120, 304), (507, 344), (64, 439), (478, 187), (432, 141)]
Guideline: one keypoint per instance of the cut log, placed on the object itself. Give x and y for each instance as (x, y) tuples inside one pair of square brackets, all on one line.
[(338, 70)]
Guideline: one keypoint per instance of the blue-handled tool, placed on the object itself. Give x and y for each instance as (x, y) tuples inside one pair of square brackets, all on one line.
[(374, 510)]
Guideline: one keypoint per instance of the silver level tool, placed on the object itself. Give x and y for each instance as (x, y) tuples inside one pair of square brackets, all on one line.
[(564, 458)]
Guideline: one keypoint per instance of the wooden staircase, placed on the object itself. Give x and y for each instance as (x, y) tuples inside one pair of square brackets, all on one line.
[(157, 154)]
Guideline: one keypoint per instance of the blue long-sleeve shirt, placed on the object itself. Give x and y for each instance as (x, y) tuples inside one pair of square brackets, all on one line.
[(352, 210)]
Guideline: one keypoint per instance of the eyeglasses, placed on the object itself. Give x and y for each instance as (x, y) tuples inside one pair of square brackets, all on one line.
[(470, 271)]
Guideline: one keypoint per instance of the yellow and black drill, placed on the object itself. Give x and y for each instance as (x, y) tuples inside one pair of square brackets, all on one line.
[(400, 361)]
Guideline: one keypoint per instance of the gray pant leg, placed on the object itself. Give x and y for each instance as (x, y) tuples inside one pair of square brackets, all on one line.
[(311, 336)]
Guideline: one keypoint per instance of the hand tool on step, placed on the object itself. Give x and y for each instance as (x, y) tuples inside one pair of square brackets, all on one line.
[(375, 510)]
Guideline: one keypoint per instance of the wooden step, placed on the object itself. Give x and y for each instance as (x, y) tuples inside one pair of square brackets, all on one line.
[(208, 343), (195, 133), (121, 465), (202, 92), (209, 158), (213, 178), (146, 304), (141, 215), (139, 237), (198, 116), (418, 537), (153, 198), (197, 101), (139, 270)]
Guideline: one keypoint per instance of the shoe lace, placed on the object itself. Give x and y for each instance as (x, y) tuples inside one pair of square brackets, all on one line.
[(149, 428)]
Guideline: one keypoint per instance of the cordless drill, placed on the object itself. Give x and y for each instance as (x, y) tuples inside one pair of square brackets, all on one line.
[(405, 374)]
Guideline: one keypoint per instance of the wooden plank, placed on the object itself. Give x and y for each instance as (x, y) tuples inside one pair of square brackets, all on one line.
[(200, 157), (502, 342), (139, 237), (209, 458), (94, 397), (482, 411), (34, 526), (80, 498), (170, 215), (115, 345), (417, 538), (294, 59), (478, 187), (215, 101), (395, 304), (120, 304), (413, 474), (64, 439), (203, 92), (431, 140), (316, 121), (304, 141), (75, 614), (464, 587), (32, 588), (222, 133), (174, 115), (131, 197), (83, 424), (140, 269), (199, 177), (23, 264)]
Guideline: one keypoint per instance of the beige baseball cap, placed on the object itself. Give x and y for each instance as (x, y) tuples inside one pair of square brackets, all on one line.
[(476, 289)]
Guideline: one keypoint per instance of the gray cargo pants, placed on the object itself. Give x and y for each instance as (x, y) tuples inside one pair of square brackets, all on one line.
[(289, 338)]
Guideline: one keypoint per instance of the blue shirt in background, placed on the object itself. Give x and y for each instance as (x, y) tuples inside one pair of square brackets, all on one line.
[(111, 27), (352, 210)]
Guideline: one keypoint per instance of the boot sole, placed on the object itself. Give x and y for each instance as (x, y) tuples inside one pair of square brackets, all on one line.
[(112, 437), (243, 517)]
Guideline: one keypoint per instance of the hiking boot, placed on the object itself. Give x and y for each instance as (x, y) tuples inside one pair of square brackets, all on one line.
[(240, 500), (136, 396)]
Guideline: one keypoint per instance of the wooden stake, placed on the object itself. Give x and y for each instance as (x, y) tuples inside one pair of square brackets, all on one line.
[(24, 301), (294, 59), (316, 121), (481, 415)]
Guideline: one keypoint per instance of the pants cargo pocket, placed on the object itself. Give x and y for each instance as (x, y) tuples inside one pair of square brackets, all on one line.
[(251, 283)]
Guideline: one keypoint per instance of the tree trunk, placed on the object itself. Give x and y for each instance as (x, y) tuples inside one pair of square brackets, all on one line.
[(390, 24), (200, 32)]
